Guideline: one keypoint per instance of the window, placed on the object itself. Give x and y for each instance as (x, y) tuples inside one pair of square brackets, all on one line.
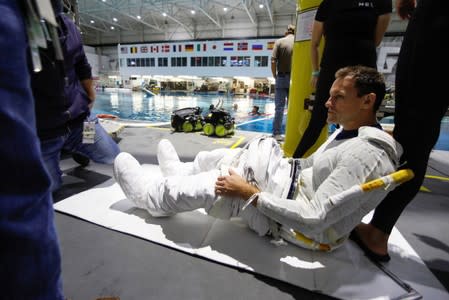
[(162, 62), (240, 61), (261, 61), (179, 61)]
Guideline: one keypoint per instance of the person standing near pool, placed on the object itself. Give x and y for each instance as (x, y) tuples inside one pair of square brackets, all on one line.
[(352, 31), (418, 95), (281, 61)]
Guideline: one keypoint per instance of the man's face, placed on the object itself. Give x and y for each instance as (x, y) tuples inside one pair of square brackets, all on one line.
[(343, 105)]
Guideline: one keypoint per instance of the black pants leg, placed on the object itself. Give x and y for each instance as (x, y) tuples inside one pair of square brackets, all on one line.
[(421, 101), (319, 113)]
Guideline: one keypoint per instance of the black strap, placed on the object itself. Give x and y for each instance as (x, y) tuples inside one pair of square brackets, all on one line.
[(411, 294), (294, 173)]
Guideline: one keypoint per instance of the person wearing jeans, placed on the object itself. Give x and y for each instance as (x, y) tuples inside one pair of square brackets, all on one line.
[(281, 59), (30, 259), (102, 150), (281, 95), (64, 95)]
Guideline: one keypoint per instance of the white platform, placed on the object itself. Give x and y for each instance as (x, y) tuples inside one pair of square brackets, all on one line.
[(345, 273)]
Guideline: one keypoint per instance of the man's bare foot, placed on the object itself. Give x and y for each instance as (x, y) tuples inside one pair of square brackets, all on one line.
[(372, 241)]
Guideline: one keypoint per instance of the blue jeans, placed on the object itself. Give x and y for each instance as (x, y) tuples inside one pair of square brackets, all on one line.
[(281, 94), (30, 261), (103, 150)]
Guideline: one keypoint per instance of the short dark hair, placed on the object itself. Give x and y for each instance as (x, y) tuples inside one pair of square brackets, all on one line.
[(367, 80)]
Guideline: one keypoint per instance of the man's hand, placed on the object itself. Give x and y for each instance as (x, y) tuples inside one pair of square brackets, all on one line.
[(405, 8), (234, 185)]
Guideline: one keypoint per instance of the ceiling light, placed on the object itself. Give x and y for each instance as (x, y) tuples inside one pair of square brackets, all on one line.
[(103, 0), (225, 8), (114, 19), (261, 5), (112, 27), (139, 17), (192, 12), (92, 21), (164, 14)]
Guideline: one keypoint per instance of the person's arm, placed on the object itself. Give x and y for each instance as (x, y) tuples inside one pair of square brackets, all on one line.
[(88, 86), (317, 33), (405, 8), (313, 215), (82, 67), (382, 24), (274, 59), (235, 185), (273, 67)]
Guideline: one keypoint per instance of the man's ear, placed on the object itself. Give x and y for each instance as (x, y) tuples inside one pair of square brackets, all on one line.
[(369, 100)]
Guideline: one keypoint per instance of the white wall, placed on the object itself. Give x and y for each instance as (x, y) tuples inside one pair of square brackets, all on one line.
[(217, 48)]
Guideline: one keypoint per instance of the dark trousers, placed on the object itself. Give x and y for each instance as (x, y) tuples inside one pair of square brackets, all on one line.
[(319, 113), (421, 101), (30, 262)]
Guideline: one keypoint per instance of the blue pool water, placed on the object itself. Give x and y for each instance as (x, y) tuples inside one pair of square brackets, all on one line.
[(137, 106)]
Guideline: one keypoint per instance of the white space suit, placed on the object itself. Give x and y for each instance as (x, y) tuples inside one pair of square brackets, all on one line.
[(336, 166)]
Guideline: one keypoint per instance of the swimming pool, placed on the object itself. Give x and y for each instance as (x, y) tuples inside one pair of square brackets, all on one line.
[(138, 107)]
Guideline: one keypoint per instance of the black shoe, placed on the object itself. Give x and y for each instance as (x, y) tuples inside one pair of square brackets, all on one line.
[(81, 159), (354, 236)]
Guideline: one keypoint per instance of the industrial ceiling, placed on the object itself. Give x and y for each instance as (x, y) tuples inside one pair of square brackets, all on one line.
[(109, 21)]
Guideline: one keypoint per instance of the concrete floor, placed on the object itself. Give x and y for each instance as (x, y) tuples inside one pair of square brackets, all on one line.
[(100, 262)]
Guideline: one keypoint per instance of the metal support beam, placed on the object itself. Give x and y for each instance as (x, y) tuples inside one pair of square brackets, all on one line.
[(209, 16), (186, 28), (107, 21), (92, 27), (270, 14), (247, 11), (130, 16)]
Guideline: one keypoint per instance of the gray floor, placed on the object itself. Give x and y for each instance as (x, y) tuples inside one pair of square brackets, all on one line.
[(99, 262)]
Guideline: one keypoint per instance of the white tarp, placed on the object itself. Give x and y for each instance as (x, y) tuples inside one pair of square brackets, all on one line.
[(345, 273)]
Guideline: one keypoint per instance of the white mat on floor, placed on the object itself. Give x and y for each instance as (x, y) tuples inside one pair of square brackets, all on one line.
[(345, 273)]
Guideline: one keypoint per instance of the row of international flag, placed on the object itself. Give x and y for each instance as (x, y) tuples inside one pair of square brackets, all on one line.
[(199, 47)]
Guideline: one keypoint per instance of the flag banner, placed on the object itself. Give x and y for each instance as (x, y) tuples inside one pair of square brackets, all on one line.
[(174, 48), (214, 47), (257, 47), (270, 45), (124, 50), (165, 48), (228, 46), (242, 46), (143, 49), (156, 49), (180, 48), (133, 49), (198, 47), (189, 48), (204, 47)]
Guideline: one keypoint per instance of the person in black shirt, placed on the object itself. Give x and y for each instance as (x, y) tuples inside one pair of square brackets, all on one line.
[(352, 30), (421, 79)]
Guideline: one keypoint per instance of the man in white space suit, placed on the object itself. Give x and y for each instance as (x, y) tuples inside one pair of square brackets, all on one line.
[(285, 194)]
